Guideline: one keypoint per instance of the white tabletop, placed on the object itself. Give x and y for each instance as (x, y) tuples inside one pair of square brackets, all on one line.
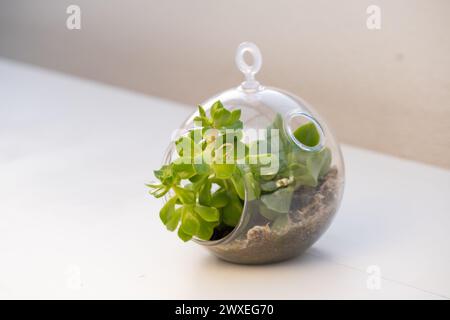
[(76, 220)]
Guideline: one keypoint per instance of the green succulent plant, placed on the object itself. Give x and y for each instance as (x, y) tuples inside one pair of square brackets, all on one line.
[(297, 168), (207, 184)]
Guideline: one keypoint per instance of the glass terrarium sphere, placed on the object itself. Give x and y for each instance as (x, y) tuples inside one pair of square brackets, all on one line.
[(300, 191)]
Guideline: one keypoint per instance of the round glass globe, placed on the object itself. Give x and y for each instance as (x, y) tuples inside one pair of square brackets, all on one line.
[(291, 211)]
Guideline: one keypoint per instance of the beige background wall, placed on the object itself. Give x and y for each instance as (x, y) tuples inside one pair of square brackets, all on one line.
[(388, 90)]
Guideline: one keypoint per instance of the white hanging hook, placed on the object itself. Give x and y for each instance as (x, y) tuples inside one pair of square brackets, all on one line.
[(249, 70)]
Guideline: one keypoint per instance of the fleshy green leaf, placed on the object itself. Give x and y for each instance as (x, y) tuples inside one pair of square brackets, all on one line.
[(158, 190), (236, 125), (201, 111), (186, 196), (204, 196), (302, 175), (164, 174), (269, 186), (267, 213), (221, 117), (209, 214), (216, 106), (318, 163), (232, 212), (306, 180), (201, 167), (234, 116), (174, 219), (279, 201), (190, 223), (196, 134), (238, 183), (326, 162), (307, 134), (206, 231), (183, 168), (281, 223), (223, 171), (183, 235), (252, 186), (167, 210), (219, 199)]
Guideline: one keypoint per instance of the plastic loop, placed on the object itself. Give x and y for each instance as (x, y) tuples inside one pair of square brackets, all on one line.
[(249, 70)]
